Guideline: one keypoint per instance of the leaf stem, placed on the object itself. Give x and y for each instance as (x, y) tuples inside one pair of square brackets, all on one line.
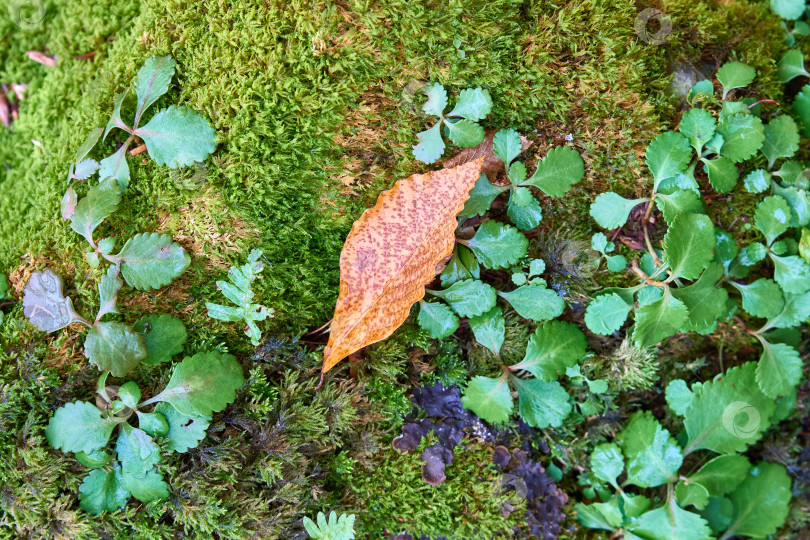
[(634, 267)]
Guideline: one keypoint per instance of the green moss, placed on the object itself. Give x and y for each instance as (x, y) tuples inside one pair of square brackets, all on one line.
[(466, 505)]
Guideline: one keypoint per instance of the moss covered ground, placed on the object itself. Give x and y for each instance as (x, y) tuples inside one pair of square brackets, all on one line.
[(314, 116)]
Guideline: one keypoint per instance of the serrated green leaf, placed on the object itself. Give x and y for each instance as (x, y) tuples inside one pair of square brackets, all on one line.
[(558, 172), (431, 144), (114, 347), (506, 145), (462, 265), (488, 398), (801, 108), (742, 134), (735, 75), (722, 173), (790, 66), (729, 412), (474, 104), (542, 404), (151, 261), (611, 210), (552, 348), (93, 460), (203, 384), (464, 133), (437, 99), (616, 263), (438, 319), (115, 166), (669, 522), (147, 488), (101, 201), (103, 491), (678, 201), (679, 397), (185, 431), (692, 493), (760, 502), (489, 329), (652, 455), (155, 424), (108, 288), (762, 298), (152, 82), (136, 450), (781, 139), (788, 9), (88, 144), (497, 245), (698, 125), (779, 370), (469, 297), (481, 198), (163, 336), (703, 88), (177, 137), (535, 302), (668, 155), (722, 474), (517, 174), (757, 181), (606, 313), (85, 169), (704, 300), (130, 394), (524, 217), (607, 462), (79, 427), (792, 273), (689, 245), (659, 320), (596, 516)]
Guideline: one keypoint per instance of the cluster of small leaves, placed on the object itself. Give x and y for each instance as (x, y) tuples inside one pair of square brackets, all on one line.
[(728, 494), (334, 528), (699, 276), (500, 246), (460, 124), (240, 293), (199, 386), (175, 136)]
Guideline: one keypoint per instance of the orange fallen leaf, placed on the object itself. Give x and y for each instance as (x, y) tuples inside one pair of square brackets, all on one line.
[(42, 58), (492, 164), (392, 252)]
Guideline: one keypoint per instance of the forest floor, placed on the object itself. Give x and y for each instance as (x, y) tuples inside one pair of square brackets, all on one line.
[(314, 107)]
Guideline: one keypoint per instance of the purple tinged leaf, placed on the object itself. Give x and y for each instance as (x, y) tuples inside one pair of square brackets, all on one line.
[(45, 305)]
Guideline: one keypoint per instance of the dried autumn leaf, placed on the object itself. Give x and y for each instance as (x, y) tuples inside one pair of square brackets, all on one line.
[(492, 164), (41, 58), (392, 252)]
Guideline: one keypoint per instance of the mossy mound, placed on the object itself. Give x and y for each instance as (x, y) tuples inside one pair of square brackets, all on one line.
[(313, 105)]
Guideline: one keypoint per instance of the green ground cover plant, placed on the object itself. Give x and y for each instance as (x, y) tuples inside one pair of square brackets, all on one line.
[(309, 121)]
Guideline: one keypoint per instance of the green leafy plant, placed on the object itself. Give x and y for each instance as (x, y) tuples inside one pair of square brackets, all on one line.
[(199, 386), (175, 137), (499, 246), (459, 125), (728, 494), (333, 528), (240, 293), (699, 276)]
